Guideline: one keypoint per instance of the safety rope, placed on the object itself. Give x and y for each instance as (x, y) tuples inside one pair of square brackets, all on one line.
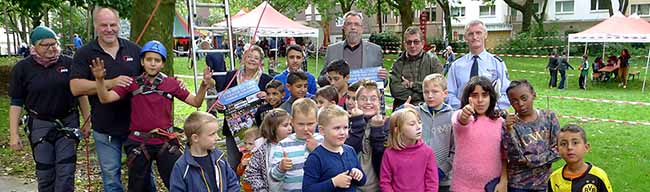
[(249, 48), (146, 25)]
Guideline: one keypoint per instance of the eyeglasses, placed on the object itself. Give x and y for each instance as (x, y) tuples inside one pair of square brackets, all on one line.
[(352, 24), (253, 58), (47, 46), (368, 99), (414, 42)]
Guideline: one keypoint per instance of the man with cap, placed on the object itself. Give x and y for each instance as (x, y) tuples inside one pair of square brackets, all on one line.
[(40, 85), (151, 129), (110, 121), (477, 63)]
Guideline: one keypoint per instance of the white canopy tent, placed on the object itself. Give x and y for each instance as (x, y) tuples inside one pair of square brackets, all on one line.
[(271, 24), (617, 29)]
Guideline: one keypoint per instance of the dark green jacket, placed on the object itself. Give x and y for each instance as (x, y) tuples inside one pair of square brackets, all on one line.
[(413, 69)]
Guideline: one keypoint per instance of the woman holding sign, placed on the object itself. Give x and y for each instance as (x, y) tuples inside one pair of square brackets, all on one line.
[(250, 70)]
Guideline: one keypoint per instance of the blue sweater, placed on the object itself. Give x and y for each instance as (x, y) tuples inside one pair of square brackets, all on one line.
[(188, 175), (322, 165), (311, 83)]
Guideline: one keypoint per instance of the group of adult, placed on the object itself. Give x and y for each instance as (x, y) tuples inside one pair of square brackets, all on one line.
[(53, 89)]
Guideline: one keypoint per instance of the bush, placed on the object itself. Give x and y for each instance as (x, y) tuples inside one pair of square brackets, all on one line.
[(387, 40)]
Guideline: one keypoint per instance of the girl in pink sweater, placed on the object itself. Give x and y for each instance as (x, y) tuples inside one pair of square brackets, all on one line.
[(408, 164), (478, 161)]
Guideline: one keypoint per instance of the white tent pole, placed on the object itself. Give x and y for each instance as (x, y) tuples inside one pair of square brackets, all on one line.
[(317, 54), (646, 71), (604, 45)]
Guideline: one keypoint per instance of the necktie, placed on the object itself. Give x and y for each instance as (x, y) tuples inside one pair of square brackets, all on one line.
[(474, 71)]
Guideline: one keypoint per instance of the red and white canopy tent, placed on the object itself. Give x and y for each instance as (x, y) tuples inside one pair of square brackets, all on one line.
[(271, 24), (617, 29)]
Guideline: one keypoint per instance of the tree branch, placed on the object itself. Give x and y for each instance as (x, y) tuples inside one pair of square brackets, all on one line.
[(515, 5)]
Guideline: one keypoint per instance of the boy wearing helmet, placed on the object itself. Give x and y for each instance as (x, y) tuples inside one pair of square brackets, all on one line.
[(151, 130)]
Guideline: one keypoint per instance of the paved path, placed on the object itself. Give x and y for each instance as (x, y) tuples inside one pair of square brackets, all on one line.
[(10, 183)]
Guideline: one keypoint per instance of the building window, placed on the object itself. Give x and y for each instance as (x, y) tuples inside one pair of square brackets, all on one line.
[(487, 10), (384, 17), (564, 7), (431, 14), (600, 4), (640, 9), (458, 11)]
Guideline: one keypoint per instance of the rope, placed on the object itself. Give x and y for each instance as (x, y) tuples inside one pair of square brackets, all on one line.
[(86, 143), (146, 25), (237, 73)]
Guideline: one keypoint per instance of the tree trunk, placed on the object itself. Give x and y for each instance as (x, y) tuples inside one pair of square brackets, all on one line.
[(159, 28), (406, 14), (325, 24), (526, 20), (89, 25), (379, 18), (46, 18), (24, 30)]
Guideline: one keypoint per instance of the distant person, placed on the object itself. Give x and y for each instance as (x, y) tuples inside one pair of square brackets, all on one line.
[(624, 67), (450, 57), (77, 41), (552, 69), (563, 65)]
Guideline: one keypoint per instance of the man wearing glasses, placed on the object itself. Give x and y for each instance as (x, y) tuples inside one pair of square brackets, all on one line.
[(411, 67), (477, 63), (355, 51)]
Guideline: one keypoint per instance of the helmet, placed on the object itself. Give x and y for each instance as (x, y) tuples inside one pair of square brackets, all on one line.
[(156, 47)]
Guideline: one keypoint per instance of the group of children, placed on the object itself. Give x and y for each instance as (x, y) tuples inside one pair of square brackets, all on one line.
[(338, 140)]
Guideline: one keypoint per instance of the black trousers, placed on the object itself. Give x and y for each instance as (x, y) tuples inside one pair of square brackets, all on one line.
[(582, 81), (553, 81), (55, 154), (562, 81), (140, 166)]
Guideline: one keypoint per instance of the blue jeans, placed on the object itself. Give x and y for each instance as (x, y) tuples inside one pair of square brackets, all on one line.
[(109, 155)]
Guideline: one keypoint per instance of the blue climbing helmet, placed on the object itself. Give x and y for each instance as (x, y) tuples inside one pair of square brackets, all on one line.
[(156, 47)]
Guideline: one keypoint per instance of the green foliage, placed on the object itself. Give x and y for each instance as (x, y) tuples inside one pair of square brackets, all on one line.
[(125, 7), (523, 40), (68, 20), (387, 40), (458, 46)]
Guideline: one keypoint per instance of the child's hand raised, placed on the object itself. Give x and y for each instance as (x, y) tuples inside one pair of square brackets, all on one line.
[(467, 112), (356, 174), (310, 142), (98, 68), (285, 163), (377, 120), (356, 112), (207, 77), (511, 119), (342, 180), (408, 103)]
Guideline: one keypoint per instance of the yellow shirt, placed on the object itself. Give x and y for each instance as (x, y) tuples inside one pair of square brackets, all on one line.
[(592, 180)]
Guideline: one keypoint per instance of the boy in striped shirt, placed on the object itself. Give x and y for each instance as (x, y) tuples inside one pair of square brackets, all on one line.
[(289, 156)]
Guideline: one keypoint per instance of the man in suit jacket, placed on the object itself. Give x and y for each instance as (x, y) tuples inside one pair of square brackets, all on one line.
[(355, 51)]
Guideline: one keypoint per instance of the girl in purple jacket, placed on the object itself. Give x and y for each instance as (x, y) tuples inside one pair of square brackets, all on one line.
[(408, 163)]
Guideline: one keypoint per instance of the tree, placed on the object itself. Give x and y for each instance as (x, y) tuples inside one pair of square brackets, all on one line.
[(159, 28), (444, 5), (622, 6), (528, 9), (405, 9)]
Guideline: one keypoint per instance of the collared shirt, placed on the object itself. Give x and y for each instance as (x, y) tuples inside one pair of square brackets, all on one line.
[(351, 48), (110, 118), (353, 55), (282, 77), (488, 66), (44, 90)]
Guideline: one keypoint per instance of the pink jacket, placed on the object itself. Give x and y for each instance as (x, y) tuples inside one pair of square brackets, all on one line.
[(478, 153), (411, 169)]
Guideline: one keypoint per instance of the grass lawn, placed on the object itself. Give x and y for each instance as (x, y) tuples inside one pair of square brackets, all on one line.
[(621, 150)]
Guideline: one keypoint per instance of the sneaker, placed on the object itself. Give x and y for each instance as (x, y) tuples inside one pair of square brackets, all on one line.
[(624, 86)]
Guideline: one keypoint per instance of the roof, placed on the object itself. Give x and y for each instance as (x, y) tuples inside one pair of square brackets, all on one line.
[(271, 24), (617, 28)]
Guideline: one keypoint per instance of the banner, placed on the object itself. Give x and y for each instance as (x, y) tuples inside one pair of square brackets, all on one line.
[(370, 73), (241, 104)]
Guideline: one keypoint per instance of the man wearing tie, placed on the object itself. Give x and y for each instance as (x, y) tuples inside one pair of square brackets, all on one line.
[(477, 63)]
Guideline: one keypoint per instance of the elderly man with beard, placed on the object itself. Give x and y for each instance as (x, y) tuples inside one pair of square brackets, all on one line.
[(355, 51)]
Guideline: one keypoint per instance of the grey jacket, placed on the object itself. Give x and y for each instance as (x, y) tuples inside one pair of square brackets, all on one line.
[(438, 134), (372, 57)]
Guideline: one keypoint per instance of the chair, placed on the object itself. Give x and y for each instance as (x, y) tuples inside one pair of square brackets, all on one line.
[(633, 74)]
